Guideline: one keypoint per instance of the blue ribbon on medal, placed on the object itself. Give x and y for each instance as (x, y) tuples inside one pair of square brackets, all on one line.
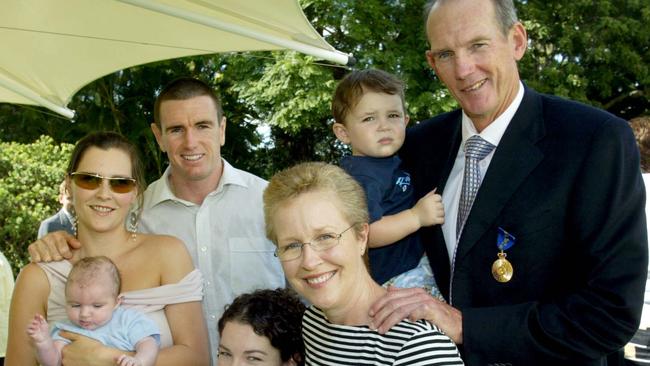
[(502, 270)]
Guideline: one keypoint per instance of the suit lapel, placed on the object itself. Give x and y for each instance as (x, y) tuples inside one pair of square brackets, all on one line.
[(515, 157), (439, 258), (452, 152)]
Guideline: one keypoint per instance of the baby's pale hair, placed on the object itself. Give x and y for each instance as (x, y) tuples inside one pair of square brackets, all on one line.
[(88, 270)]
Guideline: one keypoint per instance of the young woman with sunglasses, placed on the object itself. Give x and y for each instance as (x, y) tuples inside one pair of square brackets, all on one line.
[(105, 180)]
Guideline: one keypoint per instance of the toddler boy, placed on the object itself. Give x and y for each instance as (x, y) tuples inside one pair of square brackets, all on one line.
[(369, 113)]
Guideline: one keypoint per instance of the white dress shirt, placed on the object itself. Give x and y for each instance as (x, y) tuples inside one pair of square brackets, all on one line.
[(225, 236), (451, 194)]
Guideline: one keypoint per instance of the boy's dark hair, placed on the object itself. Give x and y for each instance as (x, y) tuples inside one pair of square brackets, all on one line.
[(274, 314), (183, 89), (352, 87)]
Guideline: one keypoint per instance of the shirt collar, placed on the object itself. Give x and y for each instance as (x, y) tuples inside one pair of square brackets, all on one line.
[(163, 192), (495, 130)]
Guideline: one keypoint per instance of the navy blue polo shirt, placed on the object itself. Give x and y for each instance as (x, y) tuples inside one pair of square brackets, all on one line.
[(388, 191)]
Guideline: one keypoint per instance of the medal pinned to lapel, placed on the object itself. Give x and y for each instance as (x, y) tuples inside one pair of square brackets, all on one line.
[(501, 268)]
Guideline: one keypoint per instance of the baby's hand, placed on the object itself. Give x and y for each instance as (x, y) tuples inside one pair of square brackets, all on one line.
[(429, 209), (38, 329), (125, 360)]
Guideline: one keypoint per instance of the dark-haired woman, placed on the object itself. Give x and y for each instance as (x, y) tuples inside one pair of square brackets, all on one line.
[(262, 328)]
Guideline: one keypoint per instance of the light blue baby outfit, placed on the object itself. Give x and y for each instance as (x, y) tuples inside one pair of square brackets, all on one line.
[(125, 329)]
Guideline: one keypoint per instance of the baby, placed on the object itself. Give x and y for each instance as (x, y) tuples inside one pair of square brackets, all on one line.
[(93, 309)]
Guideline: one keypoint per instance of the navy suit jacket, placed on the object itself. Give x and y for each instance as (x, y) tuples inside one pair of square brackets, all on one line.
[(565, 180)]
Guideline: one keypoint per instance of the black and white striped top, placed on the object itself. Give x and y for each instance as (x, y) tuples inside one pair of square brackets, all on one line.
[(407, 343)]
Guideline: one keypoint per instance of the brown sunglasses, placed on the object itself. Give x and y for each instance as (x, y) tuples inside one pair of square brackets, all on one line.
[(92, 181)]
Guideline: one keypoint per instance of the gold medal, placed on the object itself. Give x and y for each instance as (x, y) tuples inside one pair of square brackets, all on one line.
[(502, 269)]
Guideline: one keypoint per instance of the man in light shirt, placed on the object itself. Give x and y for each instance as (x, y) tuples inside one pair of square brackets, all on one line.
[(213, 207)]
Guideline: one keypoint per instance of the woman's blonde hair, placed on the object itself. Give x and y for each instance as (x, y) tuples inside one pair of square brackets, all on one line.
[(313, 177)]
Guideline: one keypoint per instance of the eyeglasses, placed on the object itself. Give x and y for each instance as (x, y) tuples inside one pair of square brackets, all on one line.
[(322, 242), (92, 181)]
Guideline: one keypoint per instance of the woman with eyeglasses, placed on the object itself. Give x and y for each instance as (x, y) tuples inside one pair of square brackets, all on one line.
[(105, 180), (316, 214)]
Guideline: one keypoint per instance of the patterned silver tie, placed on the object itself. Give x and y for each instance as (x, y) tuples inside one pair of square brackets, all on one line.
[(476, 149)]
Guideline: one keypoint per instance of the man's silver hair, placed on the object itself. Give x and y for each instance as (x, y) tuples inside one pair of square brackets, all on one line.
[(505, 12)]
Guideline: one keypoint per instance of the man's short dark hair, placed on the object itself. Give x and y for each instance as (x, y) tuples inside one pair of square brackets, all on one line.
[(186, 88)]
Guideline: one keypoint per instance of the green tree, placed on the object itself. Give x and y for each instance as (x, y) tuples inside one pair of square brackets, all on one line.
[(593, 51), (597, 52), (30, 175)]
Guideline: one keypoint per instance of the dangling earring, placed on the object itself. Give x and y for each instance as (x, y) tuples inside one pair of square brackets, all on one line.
[(73, 220), (132, 224)]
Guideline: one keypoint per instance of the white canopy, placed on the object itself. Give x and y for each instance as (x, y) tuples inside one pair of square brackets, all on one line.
[(52, 48)]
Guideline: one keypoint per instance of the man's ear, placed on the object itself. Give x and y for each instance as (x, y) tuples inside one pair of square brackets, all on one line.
[(407, 118), (222, 130), (158, 134), (341, 132), (519, 40), (431, 60)]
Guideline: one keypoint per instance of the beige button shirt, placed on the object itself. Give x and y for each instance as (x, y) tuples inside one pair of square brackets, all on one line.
[(224, 235)]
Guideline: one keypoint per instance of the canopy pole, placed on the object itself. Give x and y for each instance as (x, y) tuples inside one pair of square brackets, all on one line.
[(333, 56), (28, 93)]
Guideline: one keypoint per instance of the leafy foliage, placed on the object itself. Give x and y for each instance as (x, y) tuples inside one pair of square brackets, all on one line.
[(30, 175), (597, 52)]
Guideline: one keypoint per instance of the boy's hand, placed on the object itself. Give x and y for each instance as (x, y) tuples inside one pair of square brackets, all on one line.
[(53, 246), (429, 209)]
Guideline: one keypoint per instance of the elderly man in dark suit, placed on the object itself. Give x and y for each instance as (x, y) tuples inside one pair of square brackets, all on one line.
[(543, 254)]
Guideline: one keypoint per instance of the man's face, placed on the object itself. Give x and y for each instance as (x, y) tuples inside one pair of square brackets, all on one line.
[(473, 58), (191, 135)]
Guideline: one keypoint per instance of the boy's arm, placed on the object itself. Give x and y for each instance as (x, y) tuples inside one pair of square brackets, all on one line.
[(392, 228)]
